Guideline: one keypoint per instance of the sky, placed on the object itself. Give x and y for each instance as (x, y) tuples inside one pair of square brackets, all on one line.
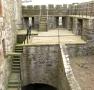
[(46, 2)]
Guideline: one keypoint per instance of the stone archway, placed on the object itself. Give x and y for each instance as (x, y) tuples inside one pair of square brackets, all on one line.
[(38, 86)]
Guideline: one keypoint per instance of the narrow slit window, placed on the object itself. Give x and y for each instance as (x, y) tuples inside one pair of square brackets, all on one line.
[(3, 45)]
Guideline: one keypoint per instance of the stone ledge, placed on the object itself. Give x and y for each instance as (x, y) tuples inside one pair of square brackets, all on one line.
[(68, 70)]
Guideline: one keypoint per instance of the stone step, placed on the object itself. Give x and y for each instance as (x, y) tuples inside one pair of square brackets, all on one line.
[(13, 88), (16, 61), (18, 70), (18, 50), (17, 47), (43, 24), (43, 18), (15, 68), (16, 64), (15, 71), (16, 56), (13, 85)]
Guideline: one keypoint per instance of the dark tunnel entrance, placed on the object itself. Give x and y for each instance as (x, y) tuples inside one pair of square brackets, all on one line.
[(38, 86)]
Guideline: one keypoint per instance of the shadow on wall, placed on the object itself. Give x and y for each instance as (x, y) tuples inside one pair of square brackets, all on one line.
[(38, 86)]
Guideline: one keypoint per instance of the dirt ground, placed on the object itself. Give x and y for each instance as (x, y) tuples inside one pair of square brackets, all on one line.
[(83, 69)]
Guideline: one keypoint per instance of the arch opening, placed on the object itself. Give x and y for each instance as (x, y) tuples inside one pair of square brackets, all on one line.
[(38, 86)]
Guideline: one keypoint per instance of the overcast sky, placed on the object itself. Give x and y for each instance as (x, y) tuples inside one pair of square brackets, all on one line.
[(46, 2)]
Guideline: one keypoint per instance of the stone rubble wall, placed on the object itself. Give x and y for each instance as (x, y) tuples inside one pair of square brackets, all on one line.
[(8, 35), (88, 30), (86, 8), (39, 65), (18, 13), (43, 10), (48, 64), (80, 49)]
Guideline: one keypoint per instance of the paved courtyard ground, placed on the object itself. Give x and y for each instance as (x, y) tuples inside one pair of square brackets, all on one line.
[(83, 69), (55, 36)]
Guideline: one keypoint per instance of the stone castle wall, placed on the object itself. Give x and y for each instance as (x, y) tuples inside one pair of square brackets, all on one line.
[(7, 39), (44, 10), (44, 64), (86, 8), (39, 65), (80, 50)]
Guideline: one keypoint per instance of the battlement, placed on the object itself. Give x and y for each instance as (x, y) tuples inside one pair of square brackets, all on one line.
[(86, 8), (44, 10)]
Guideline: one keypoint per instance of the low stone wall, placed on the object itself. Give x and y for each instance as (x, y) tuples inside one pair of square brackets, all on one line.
[(62, 79), (67, 80), (80, 49)]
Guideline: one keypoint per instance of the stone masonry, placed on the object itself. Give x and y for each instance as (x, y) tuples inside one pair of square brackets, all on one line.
[(7, 38), (39, 65), (44, 64)]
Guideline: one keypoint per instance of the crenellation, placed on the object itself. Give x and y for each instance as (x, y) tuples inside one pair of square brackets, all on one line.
[(51, 7)]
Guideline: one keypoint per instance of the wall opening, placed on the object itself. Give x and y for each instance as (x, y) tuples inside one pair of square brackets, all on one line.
[(38, 86), (71, 24), (3, 45), (64, 22), (57, 22), (80, 26), (26, 21), (32, 22)]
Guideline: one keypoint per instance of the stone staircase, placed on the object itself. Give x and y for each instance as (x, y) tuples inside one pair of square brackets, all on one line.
[(14, 82), (43, 23)]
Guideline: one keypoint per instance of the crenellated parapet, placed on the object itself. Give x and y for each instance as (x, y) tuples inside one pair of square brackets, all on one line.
[(51, 10)]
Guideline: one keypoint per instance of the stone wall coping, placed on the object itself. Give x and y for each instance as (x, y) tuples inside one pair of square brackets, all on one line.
[(68, 70)]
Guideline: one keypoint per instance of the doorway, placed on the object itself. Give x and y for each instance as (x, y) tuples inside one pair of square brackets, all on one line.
[(80, 26)]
